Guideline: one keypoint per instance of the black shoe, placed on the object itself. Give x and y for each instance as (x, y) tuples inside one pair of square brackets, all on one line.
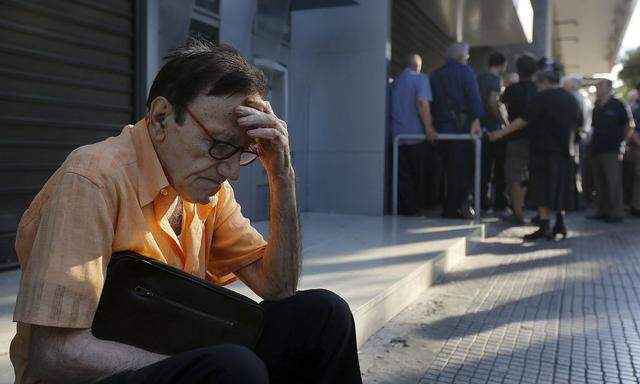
[(513, 219), (559, 229), (635, 212), (597, 217), (535, 220), (614, 220), (543, 232)]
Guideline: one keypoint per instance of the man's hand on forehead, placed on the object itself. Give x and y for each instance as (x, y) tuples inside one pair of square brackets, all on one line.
[(269, 132), (257, 102)]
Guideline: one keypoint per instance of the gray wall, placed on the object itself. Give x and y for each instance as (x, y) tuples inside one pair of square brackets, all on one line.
[(337, 109)]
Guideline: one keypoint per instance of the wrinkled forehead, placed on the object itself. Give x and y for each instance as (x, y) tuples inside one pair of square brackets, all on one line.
[(217, 113)]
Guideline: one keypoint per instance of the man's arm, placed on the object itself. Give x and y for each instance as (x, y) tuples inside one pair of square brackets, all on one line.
[(275, 276), (425, 115), (494, 109), (69, 355), (515, 125), (631, 126)]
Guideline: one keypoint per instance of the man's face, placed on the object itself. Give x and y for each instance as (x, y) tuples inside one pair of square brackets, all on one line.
[(184, 151), (602, 89)]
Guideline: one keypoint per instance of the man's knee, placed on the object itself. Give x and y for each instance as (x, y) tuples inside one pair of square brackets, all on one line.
[(233, 364), (326, 304)]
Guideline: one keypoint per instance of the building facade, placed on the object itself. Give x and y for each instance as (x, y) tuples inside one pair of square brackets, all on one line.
[(77, 71)]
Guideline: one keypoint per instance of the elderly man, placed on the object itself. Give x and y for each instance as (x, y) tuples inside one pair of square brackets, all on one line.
[(410, 114), (160, 189), (634, 102), (457, 108), (612, 124)]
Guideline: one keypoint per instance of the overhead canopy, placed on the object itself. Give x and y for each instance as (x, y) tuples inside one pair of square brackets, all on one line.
[(299, 5), (483, 22), (588, 33)]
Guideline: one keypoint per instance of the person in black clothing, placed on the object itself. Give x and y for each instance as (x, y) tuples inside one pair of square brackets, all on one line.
[(552, 118), (493, 154), (634, 153), (516, 98), (612, 125)]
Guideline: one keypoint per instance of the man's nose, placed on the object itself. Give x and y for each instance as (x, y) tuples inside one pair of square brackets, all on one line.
[(230, 168)]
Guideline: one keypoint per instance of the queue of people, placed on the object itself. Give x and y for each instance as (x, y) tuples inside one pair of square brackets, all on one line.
[(542, 147)]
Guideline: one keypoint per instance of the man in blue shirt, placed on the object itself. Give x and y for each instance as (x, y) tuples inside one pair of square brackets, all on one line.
[(410, 113), (457, 108)]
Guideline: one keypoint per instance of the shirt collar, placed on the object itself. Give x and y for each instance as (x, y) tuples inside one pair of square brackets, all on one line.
[(151, 179)]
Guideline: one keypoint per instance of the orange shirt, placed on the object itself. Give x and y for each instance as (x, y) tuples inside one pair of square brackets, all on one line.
[(108, 197)]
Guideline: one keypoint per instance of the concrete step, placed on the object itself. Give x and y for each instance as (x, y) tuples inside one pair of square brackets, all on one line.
[(379, 265)]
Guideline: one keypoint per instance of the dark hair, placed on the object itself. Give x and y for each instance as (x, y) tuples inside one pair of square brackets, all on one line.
[(638, 86), (607, 81), (550, 71), (202, 66), (496, 59), (526, 66)]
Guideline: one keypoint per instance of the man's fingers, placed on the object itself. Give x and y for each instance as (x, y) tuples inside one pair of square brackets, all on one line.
[(265, 133), (259, 104), (256, 120)]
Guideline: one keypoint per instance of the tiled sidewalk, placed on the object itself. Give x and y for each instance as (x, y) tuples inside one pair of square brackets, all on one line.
[(553, 312)]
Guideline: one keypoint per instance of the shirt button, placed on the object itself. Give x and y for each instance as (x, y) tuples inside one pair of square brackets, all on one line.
[(163, 192)]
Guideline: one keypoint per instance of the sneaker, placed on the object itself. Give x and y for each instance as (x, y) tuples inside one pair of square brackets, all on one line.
[(467, 213)]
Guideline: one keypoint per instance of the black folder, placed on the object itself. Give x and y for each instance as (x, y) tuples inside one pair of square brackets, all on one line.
[(151, 305)]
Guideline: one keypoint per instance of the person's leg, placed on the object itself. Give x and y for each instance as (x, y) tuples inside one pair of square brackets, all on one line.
[(600, 186), (613, 171), (463, 175), (498, 176), (514, 168), (309, 338), (407, 203), (222, 364), (635, 200), (486, 167), (448, 162)]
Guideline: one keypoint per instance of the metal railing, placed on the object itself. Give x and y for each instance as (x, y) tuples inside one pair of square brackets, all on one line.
[(444, 136)]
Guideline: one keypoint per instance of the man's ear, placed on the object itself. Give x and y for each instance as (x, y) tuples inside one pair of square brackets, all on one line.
[(160, 111)]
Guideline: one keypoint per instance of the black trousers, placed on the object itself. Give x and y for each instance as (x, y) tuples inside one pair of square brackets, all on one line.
[(457, 159), (412, 192), (307, 338), (492, 172)]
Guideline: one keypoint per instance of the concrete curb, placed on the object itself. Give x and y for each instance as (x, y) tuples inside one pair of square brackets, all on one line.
[(375, 313)]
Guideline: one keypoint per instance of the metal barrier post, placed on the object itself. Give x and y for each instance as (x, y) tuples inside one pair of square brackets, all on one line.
[(477, 175), (445, 136)]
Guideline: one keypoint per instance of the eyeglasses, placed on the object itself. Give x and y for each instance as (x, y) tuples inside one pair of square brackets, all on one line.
[(221, 150)]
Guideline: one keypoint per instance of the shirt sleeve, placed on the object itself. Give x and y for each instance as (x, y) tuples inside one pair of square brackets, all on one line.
[(63, 274), (626, 116), (424, 89), (496, 84), (236, 243)]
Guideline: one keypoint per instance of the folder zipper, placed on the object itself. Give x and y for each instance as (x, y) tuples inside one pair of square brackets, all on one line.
[(142, 291)]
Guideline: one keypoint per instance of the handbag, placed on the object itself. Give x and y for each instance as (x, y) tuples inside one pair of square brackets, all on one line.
[(151, 305)]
